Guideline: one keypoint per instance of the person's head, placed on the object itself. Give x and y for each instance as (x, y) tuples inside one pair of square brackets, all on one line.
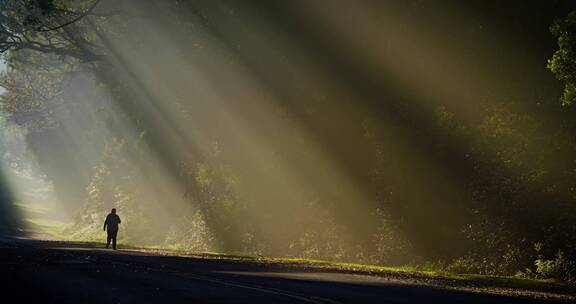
[(113, 211)]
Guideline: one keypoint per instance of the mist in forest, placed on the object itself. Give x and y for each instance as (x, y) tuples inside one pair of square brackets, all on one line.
[(387, 132)]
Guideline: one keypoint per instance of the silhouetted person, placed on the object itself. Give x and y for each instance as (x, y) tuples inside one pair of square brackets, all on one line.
[(112, 221)]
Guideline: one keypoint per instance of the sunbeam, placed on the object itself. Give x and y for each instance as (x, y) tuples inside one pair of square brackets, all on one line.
[(384, 132)]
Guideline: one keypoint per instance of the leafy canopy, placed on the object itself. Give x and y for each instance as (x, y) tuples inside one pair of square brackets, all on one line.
[(563, 62), (42, 25)]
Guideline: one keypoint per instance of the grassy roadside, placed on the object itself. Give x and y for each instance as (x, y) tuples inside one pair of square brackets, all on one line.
[(404, 273), (410, 274), (53, 230)]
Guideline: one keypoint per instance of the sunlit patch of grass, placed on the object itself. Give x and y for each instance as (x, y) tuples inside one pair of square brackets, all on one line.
[(52, 228), (548, 285), (32, 208), (416, 272)]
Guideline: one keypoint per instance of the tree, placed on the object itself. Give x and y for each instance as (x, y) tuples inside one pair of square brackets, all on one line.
[(563, 62), (43, 25), (33, 89)]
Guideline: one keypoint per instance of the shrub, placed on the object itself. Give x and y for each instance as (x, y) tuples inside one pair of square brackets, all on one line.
[(558, 268)]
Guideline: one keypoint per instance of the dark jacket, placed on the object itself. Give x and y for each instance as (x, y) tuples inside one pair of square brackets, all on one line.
[(112, 221)]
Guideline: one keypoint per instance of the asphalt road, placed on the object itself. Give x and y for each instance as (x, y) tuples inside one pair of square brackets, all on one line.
[(57, 272)]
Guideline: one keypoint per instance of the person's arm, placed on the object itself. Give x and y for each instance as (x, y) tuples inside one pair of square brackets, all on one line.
[(119, 221), (105, 223)]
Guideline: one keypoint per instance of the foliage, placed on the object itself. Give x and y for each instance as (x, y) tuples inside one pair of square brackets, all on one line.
[(33, 89), (511, 161), (557, 268), (42, 26), (563, 62)]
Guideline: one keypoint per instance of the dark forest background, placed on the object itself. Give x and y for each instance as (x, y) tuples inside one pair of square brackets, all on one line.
[(451, 125)]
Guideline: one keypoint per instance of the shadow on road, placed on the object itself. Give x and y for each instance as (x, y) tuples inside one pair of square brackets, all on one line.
[(60, 272)]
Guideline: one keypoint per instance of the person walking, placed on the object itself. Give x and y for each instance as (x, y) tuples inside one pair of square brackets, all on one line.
[(112, 221)]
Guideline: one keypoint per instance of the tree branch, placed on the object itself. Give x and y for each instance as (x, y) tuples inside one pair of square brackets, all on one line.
[(88, 12)]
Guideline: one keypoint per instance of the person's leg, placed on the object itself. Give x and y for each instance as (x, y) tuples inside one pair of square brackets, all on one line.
[(108, 238), (115, 234)]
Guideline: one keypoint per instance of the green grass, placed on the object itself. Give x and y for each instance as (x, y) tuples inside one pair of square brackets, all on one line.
[(402, 272), (497, 281), (32, 208), (51, 228)]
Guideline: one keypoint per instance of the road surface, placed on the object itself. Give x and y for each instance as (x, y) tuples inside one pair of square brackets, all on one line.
[(58, 272)]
